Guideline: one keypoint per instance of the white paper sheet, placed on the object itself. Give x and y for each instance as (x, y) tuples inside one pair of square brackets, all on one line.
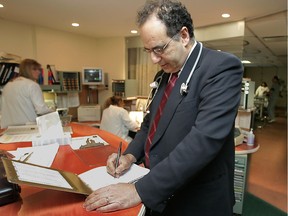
[(41, 155), (25, 129), (5, 138), (50, 126), (98, 177), (28, 173), (26, 133)]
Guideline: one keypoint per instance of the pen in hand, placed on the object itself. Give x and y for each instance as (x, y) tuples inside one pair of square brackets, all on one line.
[(118, 157)]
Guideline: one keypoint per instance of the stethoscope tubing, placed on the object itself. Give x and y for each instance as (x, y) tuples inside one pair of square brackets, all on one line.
[(183, 87)]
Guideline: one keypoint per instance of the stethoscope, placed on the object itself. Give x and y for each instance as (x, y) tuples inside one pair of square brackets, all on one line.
[(183, 88)]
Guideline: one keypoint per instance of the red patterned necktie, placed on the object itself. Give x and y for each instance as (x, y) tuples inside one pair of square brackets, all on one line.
[(152, 131)]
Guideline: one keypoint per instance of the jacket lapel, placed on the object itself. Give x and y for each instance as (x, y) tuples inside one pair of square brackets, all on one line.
[(175, 97)]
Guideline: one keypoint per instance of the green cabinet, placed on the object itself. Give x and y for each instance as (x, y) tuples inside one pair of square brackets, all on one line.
[(240, 176)]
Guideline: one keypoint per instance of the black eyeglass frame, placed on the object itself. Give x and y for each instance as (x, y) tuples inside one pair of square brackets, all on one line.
[(160, 50)]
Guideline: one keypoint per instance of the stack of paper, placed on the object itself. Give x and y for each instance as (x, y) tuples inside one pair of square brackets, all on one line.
[(19, 134), (25, 133), (50, 130)]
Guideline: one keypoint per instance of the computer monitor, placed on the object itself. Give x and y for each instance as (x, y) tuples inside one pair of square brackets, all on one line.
[(92, 76), (137, 116)]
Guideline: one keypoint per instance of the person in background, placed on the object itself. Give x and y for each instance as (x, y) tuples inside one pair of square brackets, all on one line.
[(273, 96), (188, 144), (262, 90), (115, 119), (22, 98)]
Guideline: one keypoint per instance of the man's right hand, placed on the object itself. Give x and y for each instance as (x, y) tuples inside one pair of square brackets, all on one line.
[(125, 163)]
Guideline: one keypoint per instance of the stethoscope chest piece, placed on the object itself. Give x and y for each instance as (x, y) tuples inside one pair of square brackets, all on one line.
[(184, 89)]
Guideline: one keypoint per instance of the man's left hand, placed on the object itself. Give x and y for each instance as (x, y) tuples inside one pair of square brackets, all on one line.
[(112, 198)]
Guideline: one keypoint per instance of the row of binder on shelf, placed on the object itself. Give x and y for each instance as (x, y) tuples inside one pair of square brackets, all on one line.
[(8, 71)]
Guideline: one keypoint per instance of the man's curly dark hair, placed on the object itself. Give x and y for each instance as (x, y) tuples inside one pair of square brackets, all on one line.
[(173, 14)]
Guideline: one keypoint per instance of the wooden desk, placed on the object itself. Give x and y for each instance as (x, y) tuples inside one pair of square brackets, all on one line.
[(39, 201)]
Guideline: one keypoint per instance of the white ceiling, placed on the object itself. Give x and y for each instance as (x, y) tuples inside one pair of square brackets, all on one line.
[(114, 18)]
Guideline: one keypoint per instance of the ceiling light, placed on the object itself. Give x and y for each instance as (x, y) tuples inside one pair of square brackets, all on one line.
[(245, 62), (1, 5), (134, 31), (225, 15), (75, 24)]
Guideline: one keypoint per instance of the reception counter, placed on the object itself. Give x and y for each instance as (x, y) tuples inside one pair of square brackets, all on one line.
[(40, 201)]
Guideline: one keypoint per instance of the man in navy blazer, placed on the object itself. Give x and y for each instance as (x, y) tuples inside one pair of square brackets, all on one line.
[(191, 156)]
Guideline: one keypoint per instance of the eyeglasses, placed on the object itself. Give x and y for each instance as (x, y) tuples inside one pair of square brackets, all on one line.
[(160, 50)]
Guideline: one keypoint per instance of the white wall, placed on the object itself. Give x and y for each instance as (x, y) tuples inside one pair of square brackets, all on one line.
[(67, 51), (18, 39)]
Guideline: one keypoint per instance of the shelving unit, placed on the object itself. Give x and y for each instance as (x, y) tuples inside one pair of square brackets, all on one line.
[(240, 175), (125, 88), (8, 71), (67, 82)]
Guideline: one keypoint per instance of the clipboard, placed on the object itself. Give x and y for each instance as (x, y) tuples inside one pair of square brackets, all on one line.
[(95, 156), (85, 183), (72, 181)]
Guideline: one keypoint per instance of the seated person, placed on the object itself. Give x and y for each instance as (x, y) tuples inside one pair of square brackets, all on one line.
[(22, 98), (116, 120)]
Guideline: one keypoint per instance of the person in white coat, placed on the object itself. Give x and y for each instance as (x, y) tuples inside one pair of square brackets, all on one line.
[(262, 90), (22, 98), (116, 120)]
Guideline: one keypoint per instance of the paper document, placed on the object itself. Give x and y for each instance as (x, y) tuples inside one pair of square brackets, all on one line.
[(50, 130), (25, 173), (77, 142), (35, 174), (98, 177), (5, 138), (25, 133), (40, 155), (25, 129), (142, 211), (49, 125), (137, 116)]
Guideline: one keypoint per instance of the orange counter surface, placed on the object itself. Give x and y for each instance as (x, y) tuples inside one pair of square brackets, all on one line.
[(40, 201)]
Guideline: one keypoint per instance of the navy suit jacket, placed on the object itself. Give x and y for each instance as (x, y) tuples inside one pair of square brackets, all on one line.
[(192, 153)]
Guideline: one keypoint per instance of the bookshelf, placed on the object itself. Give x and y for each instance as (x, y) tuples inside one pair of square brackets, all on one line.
[(8, 71), (66, 82), (69, 81)]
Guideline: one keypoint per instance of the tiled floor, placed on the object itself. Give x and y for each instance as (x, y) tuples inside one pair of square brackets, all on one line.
[(267, 178)]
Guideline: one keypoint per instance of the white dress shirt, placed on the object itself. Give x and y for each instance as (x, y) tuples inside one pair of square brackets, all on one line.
[(22, 101), (116, 120)]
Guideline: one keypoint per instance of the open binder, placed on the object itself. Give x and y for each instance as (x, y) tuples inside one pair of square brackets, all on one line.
[(24, 173)]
